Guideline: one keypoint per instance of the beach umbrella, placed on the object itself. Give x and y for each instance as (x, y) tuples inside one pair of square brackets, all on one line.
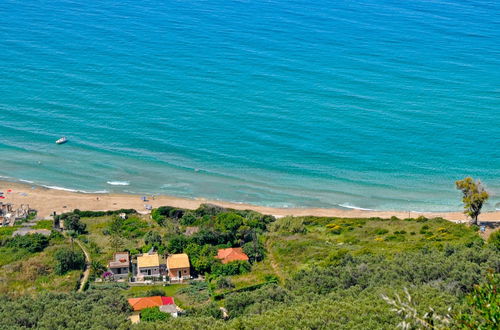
[(9, 190), (2, 197)]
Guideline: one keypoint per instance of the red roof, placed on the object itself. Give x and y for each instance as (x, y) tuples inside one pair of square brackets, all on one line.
[(231, 254), (146, 302)]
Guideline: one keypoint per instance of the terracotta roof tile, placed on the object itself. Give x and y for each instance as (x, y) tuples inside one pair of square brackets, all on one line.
[(180, 260), (146, 302), (231, 254)]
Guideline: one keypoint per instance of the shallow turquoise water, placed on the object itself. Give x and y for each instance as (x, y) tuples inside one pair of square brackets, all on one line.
[(370, 104)]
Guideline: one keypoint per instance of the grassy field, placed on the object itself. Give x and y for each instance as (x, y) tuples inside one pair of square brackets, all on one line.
[(325, 237), (24, 272)]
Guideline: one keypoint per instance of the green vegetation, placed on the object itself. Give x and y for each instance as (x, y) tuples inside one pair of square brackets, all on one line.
[(27, 265), (6, 232), (95, 309), (305, 272), (44, 224), (153, 314), (72, 222), (484, 305), (474, 196), (67, 260), (31, 243)]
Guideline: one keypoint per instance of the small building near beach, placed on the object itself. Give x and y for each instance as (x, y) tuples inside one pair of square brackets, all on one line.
[(231, 254), (119, 266), (148, 264), (178, 267)]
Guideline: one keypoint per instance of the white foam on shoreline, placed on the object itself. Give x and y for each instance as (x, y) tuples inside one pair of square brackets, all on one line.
[(349, 206), (118, 183), (75, 190), (26, 181)]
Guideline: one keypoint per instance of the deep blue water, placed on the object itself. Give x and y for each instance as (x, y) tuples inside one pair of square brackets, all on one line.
[(374, 104)]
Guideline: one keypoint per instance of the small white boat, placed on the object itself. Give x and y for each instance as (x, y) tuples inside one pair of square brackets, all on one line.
[(62, 140)]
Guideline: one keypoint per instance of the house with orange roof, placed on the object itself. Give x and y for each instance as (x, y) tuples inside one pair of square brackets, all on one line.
[(231, 254), (178, 267), (165, 304), (139, 304)]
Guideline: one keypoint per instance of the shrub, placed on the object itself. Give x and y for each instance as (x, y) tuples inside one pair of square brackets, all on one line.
[(31, 243), (96, 214), (233, 268), (254, 250), (67, 260), (188, 219), (131, 227), (72, 222), (494, 239), (209, 210), (395, 238), (154, 292), (152, 237), (381, 231), (228, 221), (289, 224), (153, 314), (177, 244), (224, 283), (196, 290), (484, 305)]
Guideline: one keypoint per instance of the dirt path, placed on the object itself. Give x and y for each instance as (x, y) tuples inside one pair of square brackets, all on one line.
[(274, 264), (86, 273)]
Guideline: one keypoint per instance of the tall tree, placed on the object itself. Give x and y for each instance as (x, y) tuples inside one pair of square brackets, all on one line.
[(474, 196)]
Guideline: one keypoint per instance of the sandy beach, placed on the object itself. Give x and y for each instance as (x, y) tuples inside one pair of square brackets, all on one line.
[(46, 201)]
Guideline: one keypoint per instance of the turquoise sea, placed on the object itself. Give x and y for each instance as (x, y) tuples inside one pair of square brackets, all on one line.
[(372, 104)]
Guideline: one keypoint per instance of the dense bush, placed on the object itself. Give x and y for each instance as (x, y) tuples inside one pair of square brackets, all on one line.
[(483, 310), (132, 227), (161, 214), (67, 260), (153, 314), (95, 214), (152, 237), (95, 309), (256, 301), (454, 270), (31, 243), (202, 257), (197, 291), (494, 239), (232, 268), (254, 250), (289, 225), (72, 222)]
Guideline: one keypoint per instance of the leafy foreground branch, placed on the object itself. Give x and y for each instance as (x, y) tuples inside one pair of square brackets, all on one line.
[(411, 316), (483, 310)]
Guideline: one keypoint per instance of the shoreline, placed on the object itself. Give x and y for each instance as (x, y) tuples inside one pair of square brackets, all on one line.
[(46, 200)]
